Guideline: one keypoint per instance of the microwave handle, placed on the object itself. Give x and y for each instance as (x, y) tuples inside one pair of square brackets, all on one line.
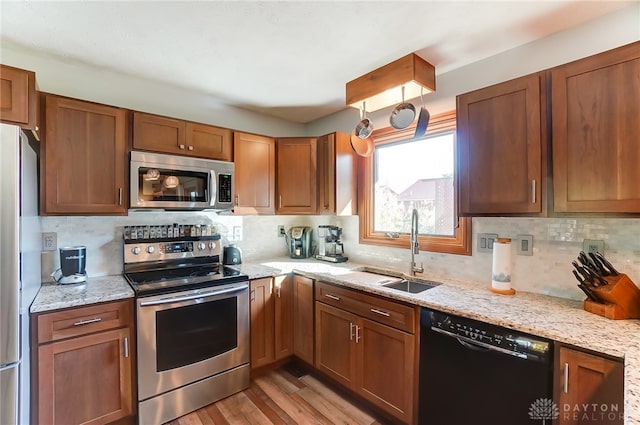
[(213, 188)]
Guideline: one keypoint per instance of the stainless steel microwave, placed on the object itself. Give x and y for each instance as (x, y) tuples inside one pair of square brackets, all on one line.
[(173, 182)]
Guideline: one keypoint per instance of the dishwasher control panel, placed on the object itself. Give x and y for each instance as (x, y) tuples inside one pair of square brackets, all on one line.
[(488, 335)]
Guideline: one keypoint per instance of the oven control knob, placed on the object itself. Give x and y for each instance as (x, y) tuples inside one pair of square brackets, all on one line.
[(135, 250), (212, 245), (201, 246), (151, 249)]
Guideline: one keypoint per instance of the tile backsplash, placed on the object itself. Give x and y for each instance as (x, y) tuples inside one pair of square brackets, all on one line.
[(556, 241)]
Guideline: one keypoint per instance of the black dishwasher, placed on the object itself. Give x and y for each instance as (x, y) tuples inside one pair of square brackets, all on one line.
[(473, 372)]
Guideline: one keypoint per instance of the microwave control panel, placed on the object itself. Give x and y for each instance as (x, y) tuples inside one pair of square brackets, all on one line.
[(224, 188)]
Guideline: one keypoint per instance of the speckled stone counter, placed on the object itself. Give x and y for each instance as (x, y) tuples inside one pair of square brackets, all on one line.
[(555, 318), (53, 296)]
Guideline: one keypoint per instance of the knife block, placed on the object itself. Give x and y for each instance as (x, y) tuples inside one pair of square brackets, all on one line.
[(621, 299)]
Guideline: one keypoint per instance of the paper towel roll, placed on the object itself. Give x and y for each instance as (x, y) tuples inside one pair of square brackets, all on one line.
[(501, 269)]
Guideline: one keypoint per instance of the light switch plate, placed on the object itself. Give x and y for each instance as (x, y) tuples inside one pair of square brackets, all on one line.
[(485, 242), (524, 245)]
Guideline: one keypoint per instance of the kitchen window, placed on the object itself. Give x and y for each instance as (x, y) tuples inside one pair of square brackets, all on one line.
[(406, 173)]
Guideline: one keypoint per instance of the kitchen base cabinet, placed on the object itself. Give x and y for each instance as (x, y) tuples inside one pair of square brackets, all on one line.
[(271, 320), (368, 345), (83, 365), (303, 318), (588, 387)]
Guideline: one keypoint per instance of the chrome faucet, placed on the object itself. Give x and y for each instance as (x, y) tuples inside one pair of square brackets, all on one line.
[(415, 246)]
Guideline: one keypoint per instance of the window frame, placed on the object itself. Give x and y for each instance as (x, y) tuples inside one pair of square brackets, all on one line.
[(459, 244)]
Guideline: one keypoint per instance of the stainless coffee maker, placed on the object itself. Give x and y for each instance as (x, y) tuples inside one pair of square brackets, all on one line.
[(330, 247), (73, 260)]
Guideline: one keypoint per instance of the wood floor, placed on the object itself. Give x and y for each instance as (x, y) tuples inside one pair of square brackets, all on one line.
[(278, 397)]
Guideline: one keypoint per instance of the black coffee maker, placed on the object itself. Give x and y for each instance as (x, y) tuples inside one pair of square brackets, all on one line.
[(73, 260), (299, 242)]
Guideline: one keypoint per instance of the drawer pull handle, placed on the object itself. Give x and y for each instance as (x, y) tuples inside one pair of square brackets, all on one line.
[(86, 322), (380, 312), (357, 334), (351, 327), (333, 297)]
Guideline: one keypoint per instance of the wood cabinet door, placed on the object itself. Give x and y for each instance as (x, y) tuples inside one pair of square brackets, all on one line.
[(86, 379), (588, 387), (283, 316), (335, 344), (18, 98), (159, 134), (84, 156), (296, 176), (255, 168), (337, 175), (386, 368), (502, 148), (596, 148), (303, 318), (327, 174), (209, 142), (262, 322)]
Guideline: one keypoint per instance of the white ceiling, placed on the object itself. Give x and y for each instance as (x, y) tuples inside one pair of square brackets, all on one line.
[(286, 59)]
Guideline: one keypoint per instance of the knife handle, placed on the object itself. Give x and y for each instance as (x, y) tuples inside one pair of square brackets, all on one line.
[(607, 264), (589, 293)]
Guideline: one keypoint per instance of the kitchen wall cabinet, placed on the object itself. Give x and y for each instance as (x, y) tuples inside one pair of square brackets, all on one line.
[(271, 320), (337, 175), (296, 176), (82, 370), (18, 97), (255, 182), (303, 318), (502, 148), (83, 158), (172, 136), (351, 327), (596, 149), (587, 386)]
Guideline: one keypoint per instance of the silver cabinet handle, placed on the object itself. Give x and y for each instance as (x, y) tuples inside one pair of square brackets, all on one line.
[(126, 346), (357, 334), (119, 196), (333, 297), (86, 322), (280, 202), (565, 384), (181, 146), (190, 148), (351, 326), (533, 191), (237, 199), (380, 312)]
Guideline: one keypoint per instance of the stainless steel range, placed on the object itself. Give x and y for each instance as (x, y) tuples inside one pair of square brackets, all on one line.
[(192, 325)]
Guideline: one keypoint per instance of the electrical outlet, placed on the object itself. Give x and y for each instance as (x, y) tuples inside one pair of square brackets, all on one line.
[(593, 245), (485, 241), (49, 241), (524, 245), (237, 233), (281, 232)]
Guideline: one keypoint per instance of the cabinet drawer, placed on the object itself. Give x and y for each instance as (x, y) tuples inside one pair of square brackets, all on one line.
[(384, 311), (83, 320)]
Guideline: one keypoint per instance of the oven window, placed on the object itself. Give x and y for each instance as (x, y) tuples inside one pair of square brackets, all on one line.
[(187, 335), (158, 184)]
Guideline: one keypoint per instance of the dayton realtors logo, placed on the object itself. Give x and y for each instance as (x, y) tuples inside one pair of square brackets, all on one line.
[(543, 408)]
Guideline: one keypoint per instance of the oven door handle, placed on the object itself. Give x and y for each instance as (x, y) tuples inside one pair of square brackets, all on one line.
[(169, 300)]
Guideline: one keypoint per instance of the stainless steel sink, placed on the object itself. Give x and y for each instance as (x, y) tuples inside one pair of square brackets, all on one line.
[(409, 286)]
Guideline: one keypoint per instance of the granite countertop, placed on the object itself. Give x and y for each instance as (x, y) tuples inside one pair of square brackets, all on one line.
[(555, 318), (53, 296)]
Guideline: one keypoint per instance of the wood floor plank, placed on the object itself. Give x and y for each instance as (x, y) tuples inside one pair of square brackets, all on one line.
[(359, 416), (284, 399), (270, 409), (279, 397)]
